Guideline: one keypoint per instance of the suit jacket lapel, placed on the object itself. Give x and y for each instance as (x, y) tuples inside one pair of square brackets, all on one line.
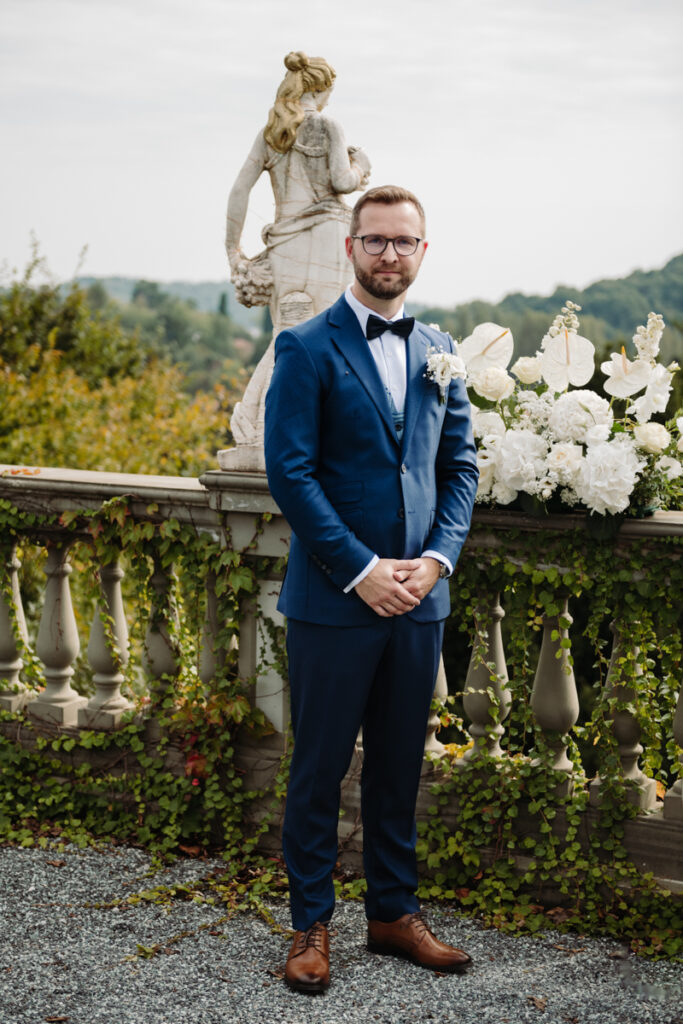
[(349, 339), (417, 385)]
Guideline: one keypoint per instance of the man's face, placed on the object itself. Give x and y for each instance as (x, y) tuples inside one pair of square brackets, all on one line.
[(388, 275)]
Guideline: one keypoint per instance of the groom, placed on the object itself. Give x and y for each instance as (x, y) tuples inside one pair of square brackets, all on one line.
[(374, 467)]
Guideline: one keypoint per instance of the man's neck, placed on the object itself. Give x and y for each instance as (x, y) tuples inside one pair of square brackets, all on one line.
[(386, 308)]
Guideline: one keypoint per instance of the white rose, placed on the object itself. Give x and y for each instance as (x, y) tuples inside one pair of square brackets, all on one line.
[(564, 459), (502, 494), (671, 467), (651, 437), (527, 369), (493, 383), (486, 422), (679, 446), (679, 424)]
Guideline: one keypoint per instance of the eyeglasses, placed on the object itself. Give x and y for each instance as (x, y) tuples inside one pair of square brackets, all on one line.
[(374, 245)]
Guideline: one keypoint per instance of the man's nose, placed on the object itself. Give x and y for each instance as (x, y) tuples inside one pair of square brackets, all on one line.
[(389, 255)]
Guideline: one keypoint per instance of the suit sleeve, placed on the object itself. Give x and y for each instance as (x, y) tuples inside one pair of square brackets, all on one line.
[(292, 444), (457, 475)]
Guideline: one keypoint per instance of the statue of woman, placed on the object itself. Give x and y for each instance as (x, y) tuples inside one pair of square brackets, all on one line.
[(304, 268)]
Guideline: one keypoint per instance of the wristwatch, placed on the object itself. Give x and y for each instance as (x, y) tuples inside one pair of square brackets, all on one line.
[(443, 571)]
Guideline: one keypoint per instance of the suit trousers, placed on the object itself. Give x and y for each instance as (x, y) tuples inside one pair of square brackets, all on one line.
[(381, 677)]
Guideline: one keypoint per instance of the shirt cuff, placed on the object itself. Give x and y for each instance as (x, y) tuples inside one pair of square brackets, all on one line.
[(439, 558), (361, 575)]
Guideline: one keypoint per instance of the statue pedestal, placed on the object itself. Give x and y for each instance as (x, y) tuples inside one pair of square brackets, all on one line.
[(245, 458)]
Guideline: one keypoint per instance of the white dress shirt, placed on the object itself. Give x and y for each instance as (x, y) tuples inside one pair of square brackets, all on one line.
[(389, 353)]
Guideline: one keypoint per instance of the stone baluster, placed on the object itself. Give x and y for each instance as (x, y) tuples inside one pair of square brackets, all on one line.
[(57, 645), (673, 800), (477, 700), (13, 694), (432, 745), (160, 655), (643, 794), (554, 700), (212, 658), (107, 654)]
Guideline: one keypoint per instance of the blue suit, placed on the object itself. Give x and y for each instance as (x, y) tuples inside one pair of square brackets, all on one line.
[(350, 490)]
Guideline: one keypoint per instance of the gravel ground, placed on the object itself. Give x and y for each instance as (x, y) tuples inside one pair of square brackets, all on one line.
[(62, 960)]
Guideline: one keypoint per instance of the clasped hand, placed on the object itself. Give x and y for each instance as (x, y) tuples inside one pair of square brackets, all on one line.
[(397, 585)]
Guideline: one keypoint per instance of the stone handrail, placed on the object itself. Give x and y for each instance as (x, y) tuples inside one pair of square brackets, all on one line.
[(228, 504)]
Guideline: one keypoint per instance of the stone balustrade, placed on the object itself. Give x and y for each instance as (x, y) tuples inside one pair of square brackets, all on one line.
[(231, 507)]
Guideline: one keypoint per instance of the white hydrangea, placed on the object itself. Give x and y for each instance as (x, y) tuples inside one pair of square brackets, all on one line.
[(521, 459), (607, 475), (577, 413)]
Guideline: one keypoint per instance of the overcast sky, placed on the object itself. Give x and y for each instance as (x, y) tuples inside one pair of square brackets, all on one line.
[(543, 136)]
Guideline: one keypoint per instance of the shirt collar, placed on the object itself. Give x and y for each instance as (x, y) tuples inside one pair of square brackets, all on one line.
[(363, 312)]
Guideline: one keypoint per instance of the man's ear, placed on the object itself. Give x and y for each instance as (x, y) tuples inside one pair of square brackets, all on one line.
[(348, 243)]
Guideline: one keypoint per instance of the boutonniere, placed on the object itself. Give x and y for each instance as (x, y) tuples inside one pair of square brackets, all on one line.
[(442, 367)]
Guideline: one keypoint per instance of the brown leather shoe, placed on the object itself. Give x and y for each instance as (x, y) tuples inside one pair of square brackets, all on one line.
[(410, 938), (308, 963)]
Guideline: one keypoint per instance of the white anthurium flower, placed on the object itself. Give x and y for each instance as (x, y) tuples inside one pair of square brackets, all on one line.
[(493, 383), (567, 359), (487, 345), (669, 466), (651, 437), (656, 394), (527, 369), (625, 378)]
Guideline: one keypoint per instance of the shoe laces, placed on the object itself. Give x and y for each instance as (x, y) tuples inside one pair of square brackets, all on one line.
[(313, 936), (421, 926)]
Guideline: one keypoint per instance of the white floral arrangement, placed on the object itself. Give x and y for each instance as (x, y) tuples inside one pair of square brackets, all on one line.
[(551, 447), (442, 368)]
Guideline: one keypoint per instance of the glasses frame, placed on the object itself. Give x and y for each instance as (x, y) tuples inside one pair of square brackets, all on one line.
[(393, 241)]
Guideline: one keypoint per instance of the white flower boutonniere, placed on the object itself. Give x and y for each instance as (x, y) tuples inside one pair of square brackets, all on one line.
[(442, 367)]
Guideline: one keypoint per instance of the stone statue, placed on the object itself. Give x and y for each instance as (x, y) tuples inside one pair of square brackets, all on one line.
[(303, 268)]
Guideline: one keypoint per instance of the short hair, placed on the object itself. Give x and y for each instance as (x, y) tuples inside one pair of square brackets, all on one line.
[(388, 195)]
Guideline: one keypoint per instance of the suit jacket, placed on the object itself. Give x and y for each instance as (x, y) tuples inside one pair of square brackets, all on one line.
[(348, 488)]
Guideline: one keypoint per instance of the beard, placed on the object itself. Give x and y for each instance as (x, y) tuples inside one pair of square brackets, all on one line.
[(370, 280)]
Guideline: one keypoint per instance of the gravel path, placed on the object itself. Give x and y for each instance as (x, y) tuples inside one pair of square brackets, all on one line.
[(63, 961)]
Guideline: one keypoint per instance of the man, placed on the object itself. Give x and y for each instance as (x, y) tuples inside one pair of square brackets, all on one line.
[(374, 467)]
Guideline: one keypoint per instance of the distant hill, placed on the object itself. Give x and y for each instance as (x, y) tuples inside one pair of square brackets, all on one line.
[(205, 295), (611, 310)]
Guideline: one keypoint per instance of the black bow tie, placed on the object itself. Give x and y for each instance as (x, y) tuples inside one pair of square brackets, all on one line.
[(377, 326)]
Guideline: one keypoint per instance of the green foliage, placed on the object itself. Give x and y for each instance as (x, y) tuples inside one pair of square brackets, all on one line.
[(79, 389)]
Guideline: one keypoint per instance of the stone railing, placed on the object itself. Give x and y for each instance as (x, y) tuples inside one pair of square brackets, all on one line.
[(230, 505)]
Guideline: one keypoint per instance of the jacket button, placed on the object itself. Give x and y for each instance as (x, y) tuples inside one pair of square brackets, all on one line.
[(404, 468), (401, 513)]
